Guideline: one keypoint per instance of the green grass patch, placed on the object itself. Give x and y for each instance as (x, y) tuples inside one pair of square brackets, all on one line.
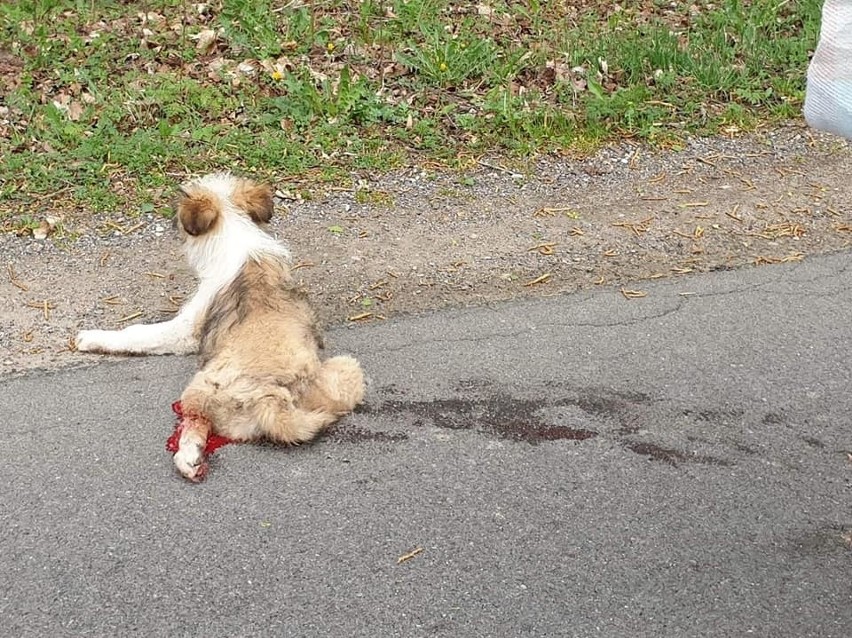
[(113, 102)]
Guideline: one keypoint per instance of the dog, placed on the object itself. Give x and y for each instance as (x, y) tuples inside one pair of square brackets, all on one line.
[(260, 374)]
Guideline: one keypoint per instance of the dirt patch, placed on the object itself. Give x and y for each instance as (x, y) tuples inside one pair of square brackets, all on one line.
[(417, 239)]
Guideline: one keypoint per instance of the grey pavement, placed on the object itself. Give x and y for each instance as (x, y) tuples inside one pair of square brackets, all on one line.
[(581, 465)]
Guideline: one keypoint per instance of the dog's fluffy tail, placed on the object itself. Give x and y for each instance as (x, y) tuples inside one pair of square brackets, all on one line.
[(338, 387), (335, 391), (281, 421)]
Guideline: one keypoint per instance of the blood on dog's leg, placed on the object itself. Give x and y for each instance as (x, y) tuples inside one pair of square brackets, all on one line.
[(189, 458), (196, 403)]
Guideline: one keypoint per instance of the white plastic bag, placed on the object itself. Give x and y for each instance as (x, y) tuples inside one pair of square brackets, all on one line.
[(828, 97)]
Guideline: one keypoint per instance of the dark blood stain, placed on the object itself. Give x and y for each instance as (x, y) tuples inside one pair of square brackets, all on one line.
[(349, 434), (501, 415), (714, 415), (771, 418), (619, 406), (672, 457), (471, 385), (487, 409), (742, 447), (391, 390), (822, 541), (536, 433), (611, 407), (813, 441)]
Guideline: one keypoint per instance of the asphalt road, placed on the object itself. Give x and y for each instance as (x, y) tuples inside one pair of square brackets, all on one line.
[(583, 465)]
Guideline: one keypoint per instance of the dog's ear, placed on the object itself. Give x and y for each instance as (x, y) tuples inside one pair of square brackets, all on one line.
[(197, 212), (255, 199)]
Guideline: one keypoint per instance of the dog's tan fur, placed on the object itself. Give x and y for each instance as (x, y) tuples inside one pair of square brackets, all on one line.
[(260, 371)]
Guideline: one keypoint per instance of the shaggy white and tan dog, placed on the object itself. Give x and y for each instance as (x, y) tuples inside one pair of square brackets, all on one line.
[(257, 338)]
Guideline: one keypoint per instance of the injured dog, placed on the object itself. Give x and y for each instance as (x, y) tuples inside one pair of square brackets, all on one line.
[(260, 374)]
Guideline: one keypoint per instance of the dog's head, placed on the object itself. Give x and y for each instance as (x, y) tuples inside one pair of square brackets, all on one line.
[(204, 204)]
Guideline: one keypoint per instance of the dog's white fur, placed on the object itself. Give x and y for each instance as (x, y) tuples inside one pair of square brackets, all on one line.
[(216, 260), (260, 374)]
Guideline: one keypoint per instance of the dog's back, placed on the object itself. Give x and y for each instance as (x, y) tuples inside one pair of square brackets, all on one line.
[(261, 374)]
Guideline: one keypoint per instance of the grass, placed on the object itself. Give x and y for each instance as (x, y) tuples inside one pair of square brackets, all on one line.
[(104, 105)]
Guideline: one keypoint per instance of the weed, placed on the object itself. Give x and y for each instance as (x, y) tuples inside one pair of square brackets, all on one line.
[(113, 102), (373, 198)]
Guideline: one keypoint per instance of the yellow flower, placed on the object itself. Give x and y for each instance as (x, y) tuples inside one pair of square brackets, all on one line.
[(277, 75), (329, 47), (443, 66)]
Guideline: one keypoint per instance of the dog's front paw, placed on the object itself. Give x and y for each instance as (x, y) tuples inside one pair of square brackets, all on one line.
[(93, 341), (190, 461)]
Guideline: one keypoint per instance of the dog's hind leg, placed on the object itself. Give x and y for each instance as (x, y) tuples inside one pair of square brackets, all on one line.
[(338, 387), (199, 402), (189, 458)]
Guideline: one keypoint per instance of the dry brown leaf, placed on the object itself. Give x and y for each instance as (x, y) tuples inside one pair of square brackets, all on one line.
[(761, 260), (636, 227), (75, 111), (538, 280), (733, 213), (205, 41), (409, 555), (13, 279), (45, 306), (785, 229), (130, 317), (45, 227), (549, 211), (633, 294), (545, 248)]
